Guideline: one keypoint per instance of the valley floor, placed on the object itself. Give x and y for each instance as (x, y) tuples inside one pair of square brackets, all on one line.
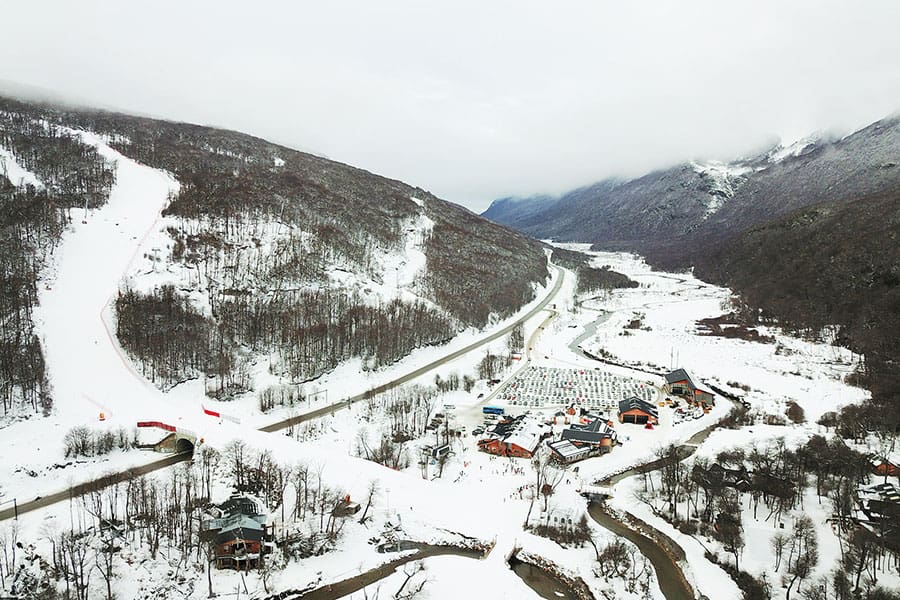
[(477, 496)]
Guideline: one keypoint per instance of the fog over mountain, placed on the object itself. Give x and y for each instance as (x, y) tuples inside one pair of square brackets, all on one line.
[(476, 102)]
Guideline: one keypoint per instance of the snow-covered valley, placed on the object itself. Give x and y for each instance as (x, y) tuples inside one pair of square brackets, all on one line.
[(476, 496)]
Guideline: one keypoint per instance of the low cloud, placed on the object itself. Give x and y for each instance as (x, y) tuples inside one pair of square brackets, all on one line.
[(473, 100)]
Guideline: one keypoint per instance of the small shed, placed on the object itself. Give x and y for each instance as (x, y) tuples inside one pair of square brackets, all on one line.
[(346, 507)]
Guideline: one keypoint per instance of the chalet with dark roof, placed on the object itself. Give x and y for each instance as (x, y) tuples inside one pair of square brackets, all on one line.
[(596, 433), (638, 411), (241, 534), (679, 383), (718, 476), (878, 513)]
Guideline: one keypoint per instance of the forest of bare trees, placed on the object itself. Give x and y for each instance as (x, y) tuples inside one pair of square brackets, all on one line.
[(160, 518), (712, 498)]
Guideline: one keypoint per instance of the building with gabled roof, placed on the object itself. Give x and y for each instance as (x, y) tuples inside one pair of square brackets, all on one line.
[(638, 411), (517, 437), (240, 534), (595, 433), (878, 512), (679, 383), (583, 440), (566, 452)]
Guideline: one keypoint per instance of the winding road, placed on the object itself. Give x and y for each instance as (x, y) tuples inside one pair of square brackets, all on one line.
[(111, 478)]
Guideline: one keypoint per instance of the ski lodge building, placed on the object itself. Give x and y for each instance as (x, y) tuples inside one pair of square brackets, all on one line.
[(679, 383), (637, 411), (516, 437), (584, 440)]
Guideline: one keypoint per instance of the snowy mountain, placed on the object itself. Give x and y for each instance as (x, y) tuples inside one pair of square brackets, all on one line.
[(251, 250), (675, 214), (806, 233)]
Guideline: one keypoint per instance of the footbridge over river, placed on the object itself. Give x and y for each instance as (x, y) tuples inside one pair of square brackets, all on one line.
[(595, 492)]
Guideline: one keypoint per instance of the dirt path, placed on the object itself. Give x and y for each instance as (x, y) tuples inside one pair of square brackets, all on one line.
[(346, 587)]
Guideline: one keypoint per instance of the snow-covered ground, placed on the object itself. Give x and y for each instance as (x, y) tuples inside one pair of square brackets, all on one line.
[(479, 496), (807, 372), (88, 374), (125, 240), (17, 175), (471, 579)]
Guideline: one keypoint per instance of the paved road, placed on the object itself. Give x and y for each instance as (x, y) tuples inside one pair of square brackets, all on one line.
[(109, 479), (422, 370), (100, 482)]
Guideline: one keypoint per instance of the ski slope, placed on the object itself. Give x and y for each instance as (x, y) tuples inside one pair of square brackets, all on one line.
[(87, 372)]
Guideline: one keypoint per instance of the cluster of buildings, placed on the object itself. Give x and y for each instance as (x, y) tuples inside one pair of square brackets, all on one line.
[(592, 434), (515, 436)]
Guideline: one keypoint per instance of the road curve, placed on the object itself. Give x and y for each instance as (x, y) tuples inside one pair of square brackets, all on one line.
[(421, 370), (125, 475)]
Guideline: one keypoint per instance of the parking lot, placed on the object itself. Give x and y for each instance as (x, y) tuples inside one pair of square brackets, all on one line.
[(539, 387)]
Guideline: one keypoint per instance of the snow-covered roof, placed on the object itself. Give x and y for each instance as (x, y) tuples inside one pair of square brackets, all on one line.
[(528, 438), (567, 449)]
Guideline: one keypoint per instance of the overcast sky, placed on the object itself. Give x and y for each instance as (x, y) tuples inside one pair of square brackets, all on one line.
[(474, 100)]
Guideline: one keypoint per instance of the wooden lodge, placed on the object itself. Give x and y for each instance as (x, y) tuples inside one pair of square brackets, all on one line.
[(637, 411), (679, 383), (241, 534), (878, 512), (885, 468), (517, 437)]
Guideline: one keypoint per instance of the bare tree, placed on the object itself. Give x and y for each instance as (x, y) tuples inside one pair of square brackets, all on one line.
[(415, 589), (373, 489)]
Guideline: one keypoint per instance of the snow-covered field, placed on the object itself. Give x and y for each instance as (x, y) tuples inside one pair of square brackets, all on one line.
[(88, 374), (808, 373)]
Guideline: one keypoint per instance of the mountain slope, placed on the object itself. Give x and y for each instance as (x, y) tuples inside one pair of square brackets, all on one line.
[(675, 214), (807, 235), (833, 264), (262, 251)]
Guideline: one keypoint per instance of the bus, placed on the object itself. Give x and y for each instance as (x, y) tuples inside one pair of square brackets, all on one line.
[(492, 410)]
